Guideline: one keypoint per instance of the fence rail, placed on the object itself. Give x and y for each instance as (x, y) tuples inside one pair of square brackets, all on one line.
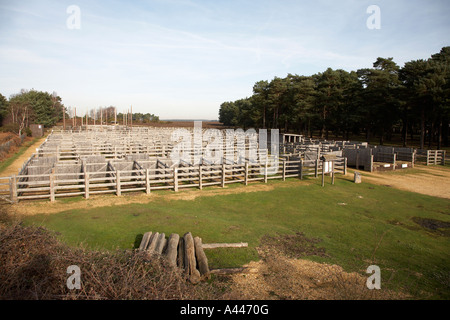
[(57, 185)]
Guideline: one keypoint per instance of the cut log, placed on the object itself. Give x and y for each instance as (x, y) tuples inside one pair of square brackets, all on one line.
[(224, 245), (180, 258), (190, 263), (161, 243), (145, 240), (153, 242), (202, 260), (172, 249)]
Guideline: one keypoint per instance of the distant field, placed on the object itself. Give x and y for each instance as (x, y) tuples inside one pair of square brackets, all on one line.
[(405, 233)]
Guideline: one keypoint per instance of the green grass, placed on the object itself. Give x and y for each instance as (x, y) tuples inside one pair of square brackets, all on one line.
[(359, 224)]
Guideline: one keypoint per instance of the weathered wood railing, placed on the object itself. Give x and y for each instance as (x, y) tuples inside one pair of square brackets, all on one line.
[(107, 180)]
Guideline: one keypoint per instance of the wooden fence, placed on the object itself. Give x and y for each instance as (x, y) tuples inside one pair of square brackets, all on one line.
[(431, 157), (106, 180)]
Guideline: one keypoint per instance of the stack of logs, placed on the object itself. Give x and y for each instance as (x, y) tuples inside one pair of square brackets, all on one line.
[(184, 252)]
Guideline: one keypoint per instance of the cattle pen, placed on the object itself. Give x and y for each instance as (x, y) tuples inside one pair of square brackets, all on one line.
[(118, 159)]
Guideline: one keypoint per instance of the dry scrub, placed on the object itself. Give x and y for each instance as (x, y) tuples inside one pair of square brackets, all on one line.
[(34, 266)]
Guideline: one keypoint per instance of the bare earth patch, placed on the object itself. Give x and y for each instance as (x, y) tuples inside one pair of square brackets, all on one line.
[(432, 180), (277, 277)]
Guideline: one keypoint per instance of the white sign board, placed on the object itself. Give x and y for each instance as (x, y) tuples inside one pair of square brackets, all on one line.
[(327, 166)]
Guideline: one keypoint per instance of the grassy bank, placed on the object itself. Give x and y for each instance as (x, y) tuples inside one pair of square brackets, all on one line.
[(22, 149), (358, 224)]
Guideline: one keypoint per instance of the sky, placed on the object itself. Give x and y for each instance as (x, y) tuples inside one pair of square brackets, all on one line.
[(181, 59)]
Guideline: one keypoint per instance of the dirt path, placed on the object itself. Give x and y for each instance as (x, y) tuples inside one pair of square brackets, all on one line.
[(18, 163), (432, 180)]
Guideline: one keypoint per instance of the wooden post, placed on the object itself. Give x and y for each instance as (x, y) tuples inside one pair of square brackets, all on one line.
[(246, 174), (13, 188), (316, 170), (284, 170), (180, 255), (52, 187), (428, 157), (175, 179), (435, 156), (323, 173), (332, 171), (147, 181), (86, 185), (265, 172), (202, 260), (171, 252), (345, 166), (200, 178), (223, 175), (118, 191), (300, 169), (443, 158), (145, 240), (190, 263)]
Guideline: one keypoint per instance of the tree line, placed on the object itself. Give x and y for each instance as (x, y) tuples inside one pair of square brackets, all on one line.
[(376, 102), (32, 106), (28, 107)]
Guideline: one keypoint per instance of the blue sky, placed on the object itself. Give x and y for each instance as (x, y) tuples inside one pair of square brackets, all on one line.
[(182, 59)]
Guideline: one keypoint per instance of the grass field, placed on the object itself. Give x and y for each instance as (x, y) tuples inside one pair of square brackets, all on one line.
[(405, 233)]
